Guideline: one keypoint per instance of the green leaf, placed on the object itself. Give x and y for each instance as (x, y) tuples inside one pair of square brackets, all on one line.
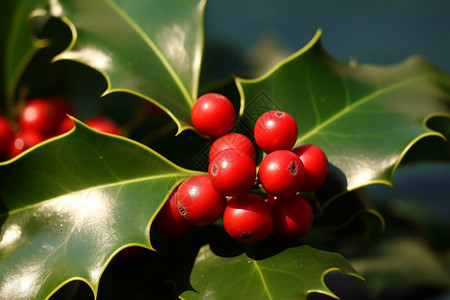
[(364, 118), (291, 274), (19, 44), (149, 48), (71, 204)]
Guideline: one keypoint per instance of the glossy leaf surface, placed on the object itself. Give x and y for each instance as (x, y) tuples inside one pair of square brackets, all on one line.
[(364, 118), (149, 48), (71, 204), (291, 274)]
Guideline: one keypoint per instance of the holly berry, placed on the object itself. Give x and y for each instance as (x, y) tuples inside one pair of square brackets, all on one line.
[(199, 202), (66, 125), (247, 218), (275, 130), (213, 115), (169, 221), (292, 216), (6, 136), (281, 173), (103, 124), (232, 173), (43, 114), (316, 166), (237, 141), (24, 140)]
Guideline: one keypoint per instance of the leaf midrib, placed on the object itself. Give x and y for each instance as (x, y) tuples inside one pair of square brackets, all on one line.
[(263, 281), (358, 103), (109, 185), (153, 47)]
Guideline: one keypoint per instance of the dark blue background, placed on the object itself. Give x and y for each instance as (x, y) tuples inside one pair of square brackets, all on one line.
[(379, 32)]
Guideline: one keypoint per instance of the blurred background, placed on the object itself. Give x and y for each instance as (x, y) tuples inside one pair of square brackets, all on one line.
[(378, 32)]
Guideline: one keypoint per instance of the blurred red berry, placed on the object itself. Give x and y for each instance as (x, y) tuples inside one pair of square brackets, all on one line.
[(24, 140), (6, 136), (103, 124), (44, 114)]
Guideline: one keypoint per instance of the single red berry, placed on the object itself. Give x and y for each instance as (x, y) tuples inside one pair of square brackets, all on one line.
[(232, 173), (292, 216), (66, 125), (24, 140), (275, 130), (281, 173), (199, 202), (6, 136), (316, 166), (169, 221), (213, 115), (43, 114), (236, 141), (247, 218), (103, 124)]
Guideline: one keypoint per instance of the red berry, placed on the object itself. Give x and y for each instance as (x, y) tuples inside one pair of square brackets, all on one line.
[(43, 114), (199, 202), (232, 173), (6, 136), (292, 216), (169, 221), (213, 114), (281, 173), (66, 125), (247, 218), (103, 124), (24, 140), (63, 107), (236, 141), (316, 166), (275, 130)]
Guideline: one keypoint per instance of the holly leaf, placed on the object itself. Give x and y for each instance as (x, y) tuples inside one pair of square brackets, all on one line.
[(149, 48), (291, 274), (71, 204), (364, 118), (19, 45)]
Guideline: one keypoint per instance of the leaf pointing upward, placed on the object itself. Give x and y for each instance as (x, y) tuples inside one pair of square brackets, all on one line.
[(149, 48), (364, 118), (72, 203)]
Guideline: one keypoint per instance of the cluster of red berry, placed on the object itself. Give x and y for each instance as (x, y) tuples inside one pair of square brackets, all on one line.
[(232, 174), (40, 119)]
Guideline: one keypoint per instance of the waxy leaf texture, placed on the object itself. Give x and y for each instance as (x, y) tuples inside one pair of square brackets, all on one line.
[(71, 204), (149, 48), (364, 118), (291, 274)]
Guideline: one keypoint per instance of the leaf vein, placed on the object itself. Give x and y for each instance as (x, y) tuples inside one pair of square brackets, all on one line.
[(108, 185), (363, 100), (151, 44), (262, 280)]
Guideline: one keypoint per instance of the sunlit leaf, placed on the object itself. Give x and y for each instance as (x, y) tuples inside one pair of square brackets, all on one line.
[(365, 118), (71, 204), (149, 48), (291, 274)]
